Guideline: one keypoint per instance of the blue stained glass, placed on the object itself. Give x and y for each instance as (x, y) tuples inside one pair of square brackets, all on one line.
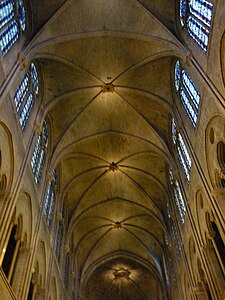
[(8, 36), (26, 94), (196, 15), (45, 132), (38, 157), (21, 13), (12, 21), (49, 205), (183, 164), (177, 75), (38, 171), (184, 157), (171, 176), (202, 10), (183, 11), (24, 115), (181, 207), (35, 153), (188, 93), (6, 12), (174, 131), (34, 77), (199, 33), (192, 112), (191, 89), (21, 92)]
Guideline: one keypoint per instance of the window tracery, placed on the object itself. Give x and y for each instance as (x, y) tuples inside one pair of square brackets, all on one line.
[(183, 154), (12, 23), (58, 240), (174, 232), (40, 150), (26, 94), (176, 239), (49, 205), (178, 196), (188, 93), (196, 16), (66, 269)]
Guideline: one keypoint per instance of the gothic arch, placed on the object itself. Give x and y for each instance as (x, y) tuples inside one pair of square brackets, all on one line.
[(6, 162), (215, 139), (25, 209)]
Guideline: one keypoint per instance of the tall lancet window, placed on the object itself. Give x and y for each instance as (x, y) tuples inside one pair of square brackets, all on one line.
[(174, 233), (183, 153), (66, 269), (39, 154), (12, 23), (178, 196), (59, 240), (196, 16), (188, 93), (26, 94), (49, 205)]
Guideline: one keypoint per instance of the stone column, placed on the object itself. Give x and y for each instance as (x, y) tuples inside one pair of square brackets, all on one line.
[(20, 272), (40, 293)]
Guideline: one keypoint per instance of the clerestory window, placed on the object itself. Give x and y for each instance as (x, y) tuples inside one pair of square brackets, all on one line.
[(188, 93), (183, 154), (12, 23), (196, 16), (49, 205), (26, 95), (178, 196), (39, 154), (58, 240)]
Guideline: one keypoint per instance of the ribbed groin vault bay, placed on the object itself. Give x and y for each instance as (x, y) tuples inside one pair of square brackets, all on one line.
[(138, 189)]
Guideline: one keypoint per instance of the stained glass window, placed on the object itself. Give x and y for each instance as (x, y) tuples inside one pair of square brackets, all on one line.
[(202, 10), (176, 239), (196, 16), (174, 233), (177, 74), (184, 157), (12, 21), (174, 131), (49, 204), (38, 157), (178, 196), (66, 269), (188, 93), (58, 241), (183, 11), (26, 94), (183, 154)]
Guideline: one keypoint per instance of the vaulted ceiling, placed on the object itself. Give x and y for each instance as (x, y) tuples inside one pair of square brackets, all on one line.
[(107, 90)]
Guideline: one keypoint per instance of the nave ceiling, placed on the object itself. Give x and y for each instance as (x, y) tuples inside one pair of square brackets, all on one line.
[(107, 90)]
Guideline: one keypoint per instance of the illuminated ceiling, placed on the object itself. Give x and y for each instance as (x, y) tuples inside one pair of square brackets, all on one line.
[(108, 76)]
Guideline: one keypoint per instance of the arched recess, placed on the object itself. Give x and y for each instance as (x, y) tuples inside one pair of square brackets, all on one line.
[(133, 277), (214, 250), (42, 259), (222, 57), (24, 235), (192, 258), (25, 209), (6, 163), (53, 289), (201, 206), (215, 150), (215, 158), (186, 287)]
